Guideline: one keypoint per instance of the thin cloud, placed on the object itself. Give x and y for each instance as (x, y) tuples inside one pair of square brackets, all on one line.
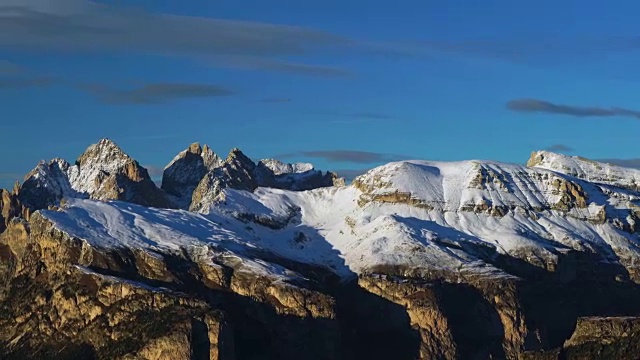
[(9, 68), (155, 172), (160, 93), (353, 156), (371, 116), (560, 148), (256, 63), (540, 106), (360, 116), (10, 176), (20, 83), (276, 100), (78, 25), (350, 174), (530, 50), (630, 163), (88, 26)]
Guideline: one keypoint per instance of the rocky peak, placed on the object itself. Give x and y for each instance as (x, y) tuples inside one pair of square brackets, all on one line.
[(102, 172), (238, 160), (10, 208), (586, 169), (105, 152), (195, 149), (186, 170), (46, 185), (211, 159)]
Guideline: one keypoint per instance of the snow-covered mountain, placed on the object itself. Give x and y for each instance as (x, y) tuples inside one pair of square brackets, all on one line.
[(102, 172), (196, 176), (416, 216), (413, 216), (586, 169), (463, 258)]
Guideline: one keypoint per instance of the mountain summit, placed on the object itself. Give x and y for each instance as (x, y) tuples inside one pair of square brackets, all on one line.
[(102, 172), (236, 259)]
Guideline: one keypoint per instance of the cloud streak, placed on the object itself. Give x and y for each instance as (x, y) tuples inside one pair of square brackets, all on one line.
[(78, 25), (559, 148), (352, 156), (160, 93), (9, 68), (276, 100), (350, 174), (630, 163), (362, 116), (10, 176), (155, 172), (271, 65), (21, 83), (87, 26), (541, 106)]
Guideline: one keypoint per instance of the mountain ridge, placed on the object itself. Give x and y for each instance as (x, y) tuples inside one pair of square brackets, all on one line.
[(470, 259)]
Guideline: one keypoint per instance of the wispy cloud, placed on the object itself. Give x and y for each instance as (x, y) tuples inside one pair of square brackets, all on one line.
[(630, 163), (88, 26), (560, 148), (78, 25), (353, 156), (9, 68), (7, 180), (370, 115), (256, 63), (20, 83), (349, 117), (532, 49), (276, 100), (10, 176), (350, 174), (541, 106), (159, 93), (155, 172)]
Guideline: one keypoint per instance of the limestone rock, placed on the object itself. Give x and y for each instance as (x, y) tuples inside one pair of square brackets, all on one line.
[(102, 172), (184, 172)]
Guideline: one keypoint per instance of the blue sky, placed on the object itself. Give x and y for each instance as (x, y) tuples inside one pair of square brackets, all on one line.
[(346, 85)]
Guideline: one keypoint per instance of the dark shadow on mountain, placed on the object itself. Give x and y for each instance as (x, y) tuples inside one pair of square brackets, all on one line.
[(365, 325), (373, 327), (475, 324), (551, 300)]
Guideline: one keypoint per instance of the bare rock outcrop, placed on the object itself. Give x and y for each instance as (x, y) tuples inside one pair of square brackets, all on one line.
[(102, 172)]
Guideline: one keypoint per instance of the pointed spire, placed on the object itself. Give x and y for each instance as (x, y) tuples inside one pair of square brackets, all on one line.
[(195, 148)]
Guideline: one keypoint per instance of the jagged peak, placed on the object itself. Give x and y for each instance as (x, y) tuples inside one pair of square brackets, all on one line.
[(237, 155), (105, 151), (235, 151), (211, 159), (195, 148)]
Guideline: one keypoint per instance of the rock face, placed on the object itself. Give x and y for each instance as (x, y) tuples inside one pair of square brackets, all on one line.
[(185, 171), (275, 174), (586, 169), (414, 260), (64, 298), (103, 172), (196, 176), (10, 207)]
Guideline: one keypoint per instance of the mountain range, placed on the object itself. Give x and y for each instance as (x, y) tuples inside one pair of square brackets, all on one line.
[(235, 259)]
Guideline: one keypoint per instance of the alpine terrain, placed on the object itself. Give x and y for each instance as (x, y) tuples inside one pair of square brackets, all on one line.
[(235, 259)]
